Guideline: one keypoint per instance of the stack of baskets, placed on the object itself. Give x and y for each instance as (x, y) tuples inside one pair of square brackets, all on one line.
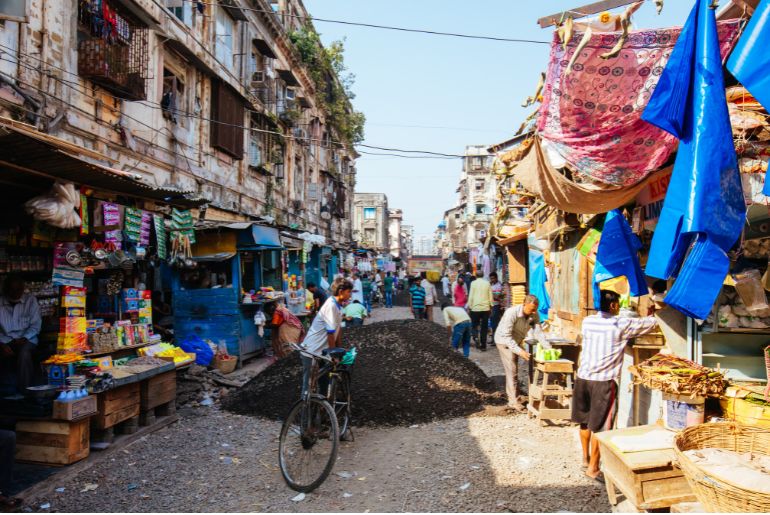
[(718, 495), (518, 294)]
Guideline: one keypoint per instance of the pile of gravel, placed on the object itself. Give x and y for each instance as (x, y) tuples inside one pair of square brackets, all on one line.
[(405, 373)]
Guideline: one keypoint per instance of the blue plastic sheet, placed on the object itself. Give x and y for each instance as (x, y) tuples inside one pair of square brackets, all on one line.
[(704, 210), (202, 350), (750, 61), (618, 255), (537, 280)]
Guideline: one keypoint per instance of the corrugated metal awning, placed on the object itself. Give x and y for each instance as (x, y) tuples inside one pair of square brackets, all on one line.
[(35, 158)]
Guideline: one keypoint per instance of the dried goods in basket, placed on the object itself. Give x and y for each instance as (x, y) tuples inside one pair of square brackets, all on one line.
[(675, 375)]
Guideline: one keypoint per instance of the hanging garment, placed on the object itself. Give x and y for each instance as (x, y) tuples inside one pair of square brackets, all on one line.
[(618, 255), (591, 116), (538, 177), (537, 280), (750, 60), (704, 207)]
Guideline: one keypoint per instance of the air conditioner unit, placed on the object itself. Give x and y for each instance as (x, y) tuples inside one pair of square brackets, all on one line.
[(257, 78)]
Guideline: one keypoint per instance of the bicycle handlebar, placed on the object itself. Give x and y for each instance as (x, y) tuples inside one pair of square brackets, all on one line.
[(302, 350)]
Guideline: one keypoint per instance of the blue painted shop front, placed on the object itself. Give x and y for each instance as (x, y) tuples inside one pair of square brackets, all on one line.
[(239, 260)]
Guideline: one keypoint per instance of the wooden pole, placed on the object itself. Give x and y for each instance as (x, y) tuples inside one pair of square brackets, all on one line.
[(581, 12)]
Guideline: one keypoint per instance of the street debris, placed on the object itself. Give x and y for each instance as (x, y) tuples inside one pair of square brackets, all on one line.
[(406, 374), (298, 498)]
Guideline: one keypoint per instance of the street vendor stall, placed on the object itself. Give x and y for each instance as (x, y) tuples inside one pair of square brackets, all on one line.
[(234, 269)]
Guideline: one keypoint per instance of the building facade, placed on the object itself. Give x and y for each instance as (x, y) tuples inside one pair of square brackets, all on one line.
[(371, 221), (208, 98), (395, 221)]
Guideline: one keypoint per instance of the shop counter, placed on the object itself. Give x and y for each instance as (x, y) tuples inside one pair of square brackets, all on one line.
[(647, 478)]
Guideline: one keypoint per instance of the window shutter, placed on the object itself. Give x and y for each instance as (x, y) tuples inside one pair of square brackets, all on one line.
[(226, 121)]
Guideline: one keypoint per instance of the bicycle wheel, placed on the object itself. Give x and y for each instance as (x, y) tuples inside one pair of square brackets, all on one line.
[(340, 398), (308, 444)]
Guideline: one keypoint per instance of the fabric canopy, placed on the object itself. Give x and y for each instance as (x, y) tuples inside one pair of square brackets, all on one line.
[(536, 174), (592, 114), (618, 256)]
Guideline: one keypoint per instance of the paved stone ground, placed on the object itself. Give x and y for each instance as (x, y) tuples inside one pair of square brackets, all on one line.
[(217, 461)]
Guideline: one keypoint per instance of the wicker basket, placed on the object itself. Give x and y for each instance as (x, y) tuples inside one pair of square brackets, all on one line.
[(225, 365), (718, 495)]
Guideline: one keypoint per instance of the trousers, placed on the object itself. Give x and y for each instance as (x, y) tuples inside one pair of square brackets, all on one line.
[(22, 358), (514, 374), (461, 333), (388, 298), (480, 318)]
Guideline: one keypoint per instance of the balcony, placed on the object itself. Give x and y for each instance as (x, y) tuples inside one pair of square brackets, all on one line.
[(113, 50)]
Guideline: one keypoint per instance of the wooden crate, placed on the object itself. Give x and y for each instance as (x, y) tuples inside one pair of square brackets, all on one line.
[(648, 479), (158, 390), (52, 442), (74, 410), (116, 405)]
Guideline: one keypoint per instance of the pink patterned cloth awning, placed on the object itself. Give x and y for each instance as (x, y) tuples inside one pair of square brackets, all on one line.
[(591, 117)]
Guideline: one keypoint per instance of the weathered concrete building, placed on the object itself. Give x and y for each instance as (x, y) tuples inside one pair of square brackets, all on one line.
[(371, 219), (212, 99), (395, 221)]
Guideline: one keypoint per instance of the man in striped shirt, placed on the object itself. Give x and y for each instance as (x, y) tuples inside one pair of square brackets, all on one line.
[(417, 298), (605, 336), (20, 324)]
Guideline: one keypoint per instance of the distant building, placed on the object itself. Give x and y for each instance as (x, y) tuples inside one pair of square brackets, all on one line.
[(407, 236), (371, 221), (423, 246), (397, 243)]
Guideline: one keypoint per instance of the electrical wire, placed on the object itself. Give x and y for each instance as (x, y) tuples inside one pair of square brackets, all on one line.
[(384, 27), (188, 114)]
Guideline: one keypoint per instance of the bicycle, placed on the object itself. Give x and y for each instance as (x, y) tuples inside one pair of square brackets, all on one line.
[(310, 435)]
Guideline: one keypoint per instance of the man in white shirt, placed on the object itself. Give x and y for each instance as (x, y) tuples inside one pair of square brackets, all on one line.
[(516, 323), (445, 286), (431, 295), (458, 324), (20, 323), (358, 289), (604, 338), (326, 329)]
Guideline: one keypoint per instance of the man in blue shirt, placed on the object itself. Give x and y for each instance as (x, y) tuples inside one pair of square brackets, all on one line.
[(20, 324), (417, 299)]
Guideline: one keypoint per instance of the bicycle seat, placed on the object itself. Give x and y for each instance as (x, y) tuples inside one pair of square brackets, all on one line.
[(335, 352)]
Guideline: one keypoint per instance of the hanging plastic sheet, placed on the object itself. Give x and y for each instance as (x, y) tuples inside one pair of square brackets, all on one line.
[(704, 210), (537, 280), (750, 61), (618, 255), (591, 116)]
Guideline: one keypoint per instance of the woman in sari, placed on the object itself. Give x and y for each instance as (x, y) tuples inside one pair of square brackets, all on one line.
[(287, 329)]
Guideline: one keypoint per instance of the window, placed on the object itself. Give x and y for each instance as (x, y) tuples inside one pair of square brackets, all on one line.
[(370, 213), (182, 9), (481, 209), (226, 120), (224, 37), (173, 101), (369, 235), (299, 179), (478, 163), (480, 183)]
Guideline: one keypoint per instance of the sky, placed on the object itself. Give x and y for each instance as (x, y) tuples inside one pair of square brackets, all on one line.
[(437, 93)]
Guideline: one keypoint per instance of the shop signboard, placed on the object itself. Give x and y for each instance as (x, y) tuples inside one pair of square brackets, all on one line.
[(650, 200)]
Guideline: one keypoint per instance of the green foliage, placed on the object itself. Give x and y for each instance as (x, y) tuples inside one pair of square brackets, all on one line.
[(324, 64)]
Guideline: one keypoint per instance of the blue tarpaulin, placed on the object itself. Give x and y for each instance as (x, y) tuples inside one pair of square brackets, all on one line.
[(618, 255), (704, 210), (537, 280), (750, 61)]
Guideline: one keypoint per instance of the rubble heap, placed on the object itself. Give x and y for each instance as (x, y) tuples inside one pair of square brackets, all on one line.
[(405, 373)]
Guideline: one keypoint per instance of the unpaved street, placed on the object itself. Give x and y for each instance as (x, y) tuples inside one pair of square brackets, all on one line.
[(217, 461)]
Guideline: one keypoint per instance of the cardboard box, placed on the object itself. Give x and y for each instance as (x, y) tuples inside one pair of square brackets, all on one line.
[(75, 410)]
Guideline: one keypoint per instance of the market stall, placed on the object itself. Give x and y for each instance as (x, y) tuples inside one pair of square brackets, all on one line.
[(232, 271)]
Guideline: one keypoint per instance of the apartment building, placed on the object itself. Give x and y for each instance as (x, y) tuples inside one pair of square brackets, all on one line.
[(371, 221), (208, 99), (395, 222)]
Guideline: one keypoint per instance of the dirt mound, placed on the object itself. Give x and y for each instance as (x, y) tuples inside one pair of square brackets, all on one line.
[(405, 373)]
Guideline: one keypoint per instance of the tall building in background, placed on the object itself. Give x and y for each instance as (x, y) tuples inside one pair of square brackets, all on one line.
[(423, 246), (371, 221), (395, 220), (407, 236)]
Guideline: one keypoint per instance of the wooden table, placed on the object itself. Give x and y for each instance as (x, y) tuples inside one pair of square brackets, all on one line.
[(648, 479), (549, 399)]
